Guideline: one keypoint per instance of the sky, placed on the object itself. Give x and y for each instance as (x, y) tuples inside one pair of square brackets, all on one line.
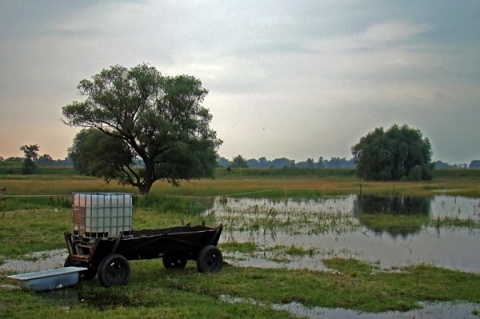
[(295, 79)]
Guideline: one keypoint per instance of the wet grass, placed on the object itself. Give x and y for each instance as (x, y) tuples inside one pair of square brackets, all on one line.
[(299, 251), (38, 224), (264, 217), (156, 292), (454, 222), (245, 248), (352, 285), (25, 231)]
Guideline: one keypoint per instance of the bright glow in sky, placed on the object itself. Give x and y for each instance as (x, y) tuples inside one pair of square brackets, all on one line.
[(296, 79)]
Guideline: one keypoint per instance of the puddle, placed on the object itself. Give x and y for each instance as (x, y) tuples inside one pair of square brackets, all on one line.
[(426, 310)]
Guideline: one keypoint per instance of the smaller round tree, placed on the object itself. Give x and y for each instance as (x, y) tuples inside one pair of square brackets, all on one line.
[(395, 154), (31, 155), (239, 162)]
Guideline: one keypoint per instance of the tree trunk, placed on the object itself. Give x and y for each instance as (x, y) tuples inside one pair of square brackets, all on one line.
[(145, 188), (148, 181)]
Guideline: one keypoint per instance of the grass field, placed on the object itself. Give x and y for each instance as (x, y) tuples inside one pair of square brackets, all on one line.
[(31, 223)]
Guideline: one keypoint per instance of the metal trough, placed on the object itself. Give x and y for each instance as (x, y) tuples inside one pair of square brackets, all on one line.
[(49, 279)]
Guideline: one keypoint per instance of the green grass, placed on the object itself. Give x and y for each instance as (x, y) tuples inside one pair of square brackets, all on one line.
[(299, 251), (284, 172), (15, 170), (271, 183), (245, 248), (154, 291), (25, 231), (32, 224), (151, 298)]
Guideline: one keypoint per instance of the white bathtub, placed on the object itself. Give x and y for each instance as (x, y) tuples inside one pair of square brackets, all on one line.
[(49, 279)]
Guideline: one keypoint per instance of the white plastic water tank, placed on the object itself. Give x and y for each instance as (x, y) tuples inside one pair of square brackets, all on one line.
[(102, 214)]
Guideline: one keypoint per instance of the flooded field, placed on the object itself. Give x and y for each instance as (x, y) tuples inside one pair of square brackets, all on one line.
[(389, 231)]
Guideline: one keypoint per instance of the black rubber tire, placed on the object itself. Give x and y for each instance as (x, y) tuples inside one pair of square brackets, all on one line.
[(84, 275), (174, 262), (114, 270), (209, 260), (88, 274)]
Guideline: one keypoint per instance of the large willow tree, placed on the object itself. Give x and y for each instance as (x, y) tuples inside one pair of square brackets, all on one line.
[(152, 127), (395, 154)]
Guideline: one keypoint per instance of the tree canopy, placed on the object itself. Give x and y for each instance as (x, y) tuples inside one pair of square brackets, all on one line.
[(398, 153), (31, 155), (239, 162), (147, 127)]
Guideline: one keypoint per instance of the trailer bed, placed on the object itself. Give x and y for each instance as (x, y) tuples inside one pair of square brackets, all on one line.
[(176, 245)]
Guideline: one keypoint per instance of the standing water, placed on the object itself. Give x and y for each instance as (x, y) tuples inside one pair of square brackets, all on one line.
[(390, 231)]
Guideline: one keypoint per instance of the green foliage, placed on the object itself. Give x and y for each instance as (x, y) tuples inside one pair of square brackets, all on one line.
[(396, 154), (31, 155), (157, 120), (97, 154), (239, 162)]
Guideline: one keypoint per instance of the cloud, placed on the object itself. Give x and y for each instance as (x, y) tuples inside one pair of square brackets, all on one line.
[(285, 78), (394, 31)]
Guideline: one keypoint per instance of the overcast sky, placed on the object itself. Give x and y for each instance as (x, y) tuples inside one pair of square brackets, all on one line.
[(295, 79)]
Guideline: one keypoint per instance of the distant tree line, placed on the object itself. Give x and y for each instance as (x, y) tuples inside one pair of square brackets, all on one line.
[(262, 162), (44, 160), (240, 162), (444, 165)]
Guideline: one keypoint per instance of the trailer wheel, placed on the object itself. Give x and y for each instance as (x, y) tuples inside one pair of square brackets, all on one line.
[(210, 259), (174, 262), (114, 270), (84, 275)]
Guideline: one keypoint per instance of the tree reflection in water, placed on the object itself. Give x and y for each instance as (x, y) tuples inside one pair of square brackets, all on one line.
[(399, 215)]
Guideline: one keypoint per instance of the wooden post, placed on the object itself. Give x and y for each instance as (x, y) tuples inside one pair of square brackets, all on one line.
[(4, 191)]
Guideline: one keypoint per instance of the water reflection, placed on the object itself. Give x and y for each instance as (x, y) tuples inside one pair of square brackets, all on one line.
[(395, 205), (400, 215), (391, 233)]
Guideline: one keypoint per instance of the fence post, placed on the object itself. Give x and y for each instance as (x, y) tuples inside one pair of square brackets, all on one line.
[(4, 191), (3, 198)]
